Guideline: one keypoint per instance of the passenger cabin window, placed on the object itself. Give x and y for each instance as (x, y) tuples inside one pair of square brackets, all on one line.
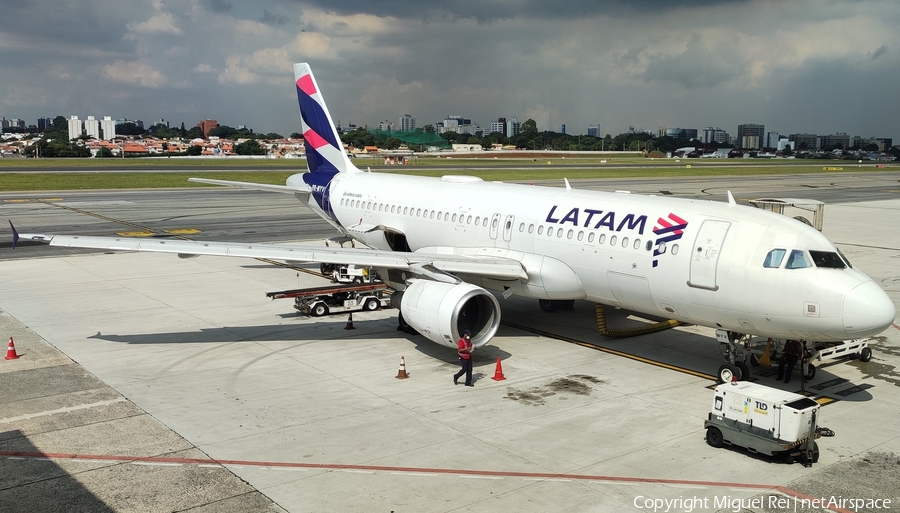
[(797, 260), (827, 259), (774, 258)]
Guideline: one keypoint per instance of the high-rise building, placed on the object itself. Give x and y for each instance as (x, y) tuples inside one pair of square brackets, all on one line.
[(771, 140), (108, 127), (594, 130), (407, 123), (455, 124), (92, 127), (499, 126), (75, 128), (759, 131), (513, 127), (804, 141), (717, 135), (838, 140)]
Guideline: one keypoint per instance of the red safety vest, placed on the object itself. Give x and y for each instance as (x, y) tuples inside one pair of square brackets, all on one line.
[(465, 355)]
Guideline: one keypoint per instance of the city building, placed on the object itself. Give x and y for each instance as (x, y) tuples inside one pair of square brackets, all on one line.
[(678, 133), (594, 130), (75, 128), (838, 140), (771, 140), (749, 141), (206, 125), (715, 135), (407, 123), (758, 131), (92, 127), (456, 124), (108, 128), (804, 141)]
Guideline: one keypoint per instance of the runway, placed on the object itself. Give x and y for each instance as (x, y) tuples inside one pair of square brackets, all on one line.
[(198, 393)]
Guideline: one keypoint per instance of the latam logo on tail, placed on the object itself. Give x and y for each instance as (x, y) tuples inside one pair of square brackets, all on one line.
[(667, 230)]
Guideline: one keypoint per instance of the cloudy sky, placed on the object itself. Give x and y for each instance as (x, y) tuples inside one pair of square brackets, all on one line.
[(819, 66)]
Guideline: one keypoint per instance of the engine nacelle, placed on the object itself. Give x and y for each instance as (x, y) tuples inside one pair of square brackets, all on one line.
[(441, 312)]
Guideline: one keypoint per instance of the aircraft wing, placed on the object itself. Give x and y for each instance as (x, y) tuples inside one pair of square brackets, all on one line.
[(494, 267), (249, 185)]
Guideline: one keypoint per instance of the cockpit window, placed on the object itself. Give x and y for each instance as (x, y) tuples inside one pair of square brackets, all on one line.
[(774, 258), (797, 260), (844, 258), (827, 259)]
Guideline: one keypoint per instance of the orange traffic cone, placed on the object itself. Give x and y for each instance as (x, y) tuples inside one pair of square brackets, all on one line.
[(11, 350), (402, 373), (349, 325), (498, 374)]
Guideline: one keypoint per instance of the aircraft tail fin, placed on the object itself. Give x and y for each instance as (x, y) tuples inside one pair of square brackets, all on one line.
[(325, 153)]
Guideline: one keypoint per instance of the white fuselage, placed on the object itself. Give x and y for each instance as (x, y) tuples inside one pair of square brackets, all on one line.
[(622, 249)]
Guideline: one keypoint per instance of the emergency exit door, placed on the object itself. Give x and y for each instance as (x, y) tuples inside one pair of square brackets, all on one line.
[(705, 256)]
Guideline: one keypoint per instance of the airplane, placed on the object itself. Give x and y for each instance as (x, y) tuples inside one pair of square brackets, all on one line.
[(444, 244)]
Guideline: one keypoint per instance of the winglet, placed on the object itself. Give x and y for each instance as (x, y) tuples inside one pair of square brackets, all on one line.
[(731, 199), (15, 234), (568, 187)]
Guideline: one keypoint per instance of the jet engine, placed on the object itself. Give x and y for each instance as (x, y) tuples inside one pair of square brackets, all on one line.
[(443, 311)]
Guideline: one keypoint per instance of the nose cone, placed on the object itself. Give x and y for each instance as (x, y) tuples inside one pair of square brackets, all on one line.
[(868, 310)]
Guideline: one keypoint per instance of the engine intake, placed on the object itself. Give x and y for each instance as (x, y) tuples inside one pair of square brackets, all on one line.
[(441, 312)]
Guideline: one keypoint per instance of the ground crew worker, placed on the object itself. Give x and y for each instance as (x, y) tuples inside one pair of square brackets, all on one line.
[(464, 349), (792, 352)]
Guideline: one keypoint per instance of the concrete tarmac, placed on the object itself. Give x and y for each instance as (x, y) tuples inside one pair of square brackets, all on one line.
[(149, 383)]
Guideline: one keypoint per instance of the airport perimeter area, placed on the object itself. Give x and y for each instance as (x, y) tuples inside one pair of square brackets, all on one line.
[(188, 390)]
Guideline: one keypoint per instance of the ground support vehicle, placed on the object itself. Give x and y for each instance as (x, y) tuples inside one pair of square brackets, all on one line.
[(738, 350), (765, 420), (353, 274), (331, 299), (814, 354)]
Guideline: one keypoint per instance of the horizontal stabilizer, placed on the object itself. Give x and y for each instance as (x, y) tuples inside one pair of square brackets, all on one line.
[(250, 185)]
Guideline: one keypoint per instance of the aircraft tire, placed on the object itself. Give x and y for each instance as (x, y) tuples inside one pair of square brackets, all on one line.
[(866, 354), (548, 305), (745, 371), (727, 371), (714, 437)]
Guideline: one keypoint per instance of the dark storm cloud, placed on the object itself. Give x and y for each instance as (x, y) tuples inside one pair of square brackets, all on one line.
[(695, 67), (219, 6), (491, 11), (270, 18), (64, 27)]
